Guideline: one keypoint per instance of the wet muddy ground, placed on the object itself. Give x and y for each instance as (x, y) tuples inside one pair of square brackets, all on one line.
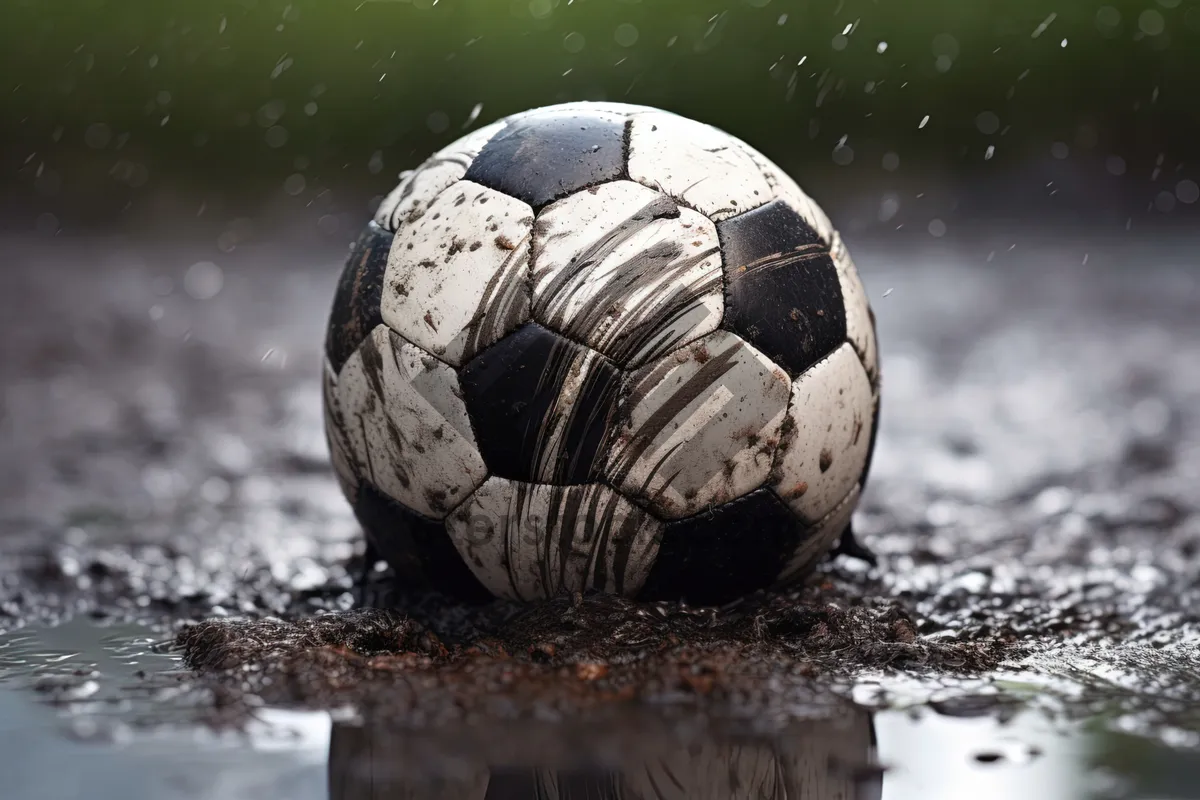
[(1032, 504)]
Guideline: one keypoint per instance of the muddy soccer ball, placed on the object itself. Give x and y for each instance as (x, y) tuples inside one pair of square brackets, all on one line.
[(601, 347)]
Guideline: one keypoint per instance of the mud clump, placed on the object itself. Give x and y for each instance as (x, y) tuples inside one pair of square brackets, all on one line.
[(226, 644), (433, 661)]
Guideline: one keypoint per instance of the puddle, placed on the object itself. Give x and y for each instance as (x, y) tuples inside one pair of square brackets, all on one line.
[(77, 721), (114, 705)]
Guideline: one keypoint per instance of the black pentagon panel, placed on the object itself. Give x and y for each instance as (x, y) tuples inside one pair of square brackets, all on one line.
[(356, 305), (418, 548), (541, 157), (782, 292), (541, 407), (725, 552)]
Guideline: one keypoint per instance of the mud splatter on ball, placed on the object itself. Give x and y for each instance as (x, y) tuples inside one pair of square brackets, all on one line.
[(601, 347)]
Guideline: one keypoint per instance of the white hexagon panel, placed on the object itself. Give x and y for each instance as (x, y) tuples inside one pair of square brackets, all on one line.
[(825, 443), (860, 325), (457, 278), (417, 188), (698, 427), (698, 165), (625, 270), (530, 541), (406, 425)]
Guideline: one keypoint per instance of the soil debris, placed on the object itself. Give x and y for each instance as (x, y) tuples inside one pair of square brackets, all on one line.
[(576, 654)]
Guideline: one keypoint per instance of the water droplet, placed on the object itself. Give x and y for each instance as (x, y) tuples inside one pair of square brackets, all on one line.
[(203, 280), (97, 136), (1151, 22), (295, 184), (281, 67), (276, 136), (1040, 29), (438, 121), (889, 206), (269, 113), (945, 45), (1107, 18), (46, 224), (937, 228), (476, 110), (574, 42)]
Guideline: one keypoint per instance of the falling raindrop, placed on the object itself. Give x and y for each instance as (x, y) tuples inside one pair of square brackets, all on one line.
[(574, 42), (476, 110)]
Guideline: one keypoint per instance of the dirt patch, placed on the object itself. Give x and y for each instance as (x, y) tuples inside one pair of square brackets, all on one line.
[(438, 661)]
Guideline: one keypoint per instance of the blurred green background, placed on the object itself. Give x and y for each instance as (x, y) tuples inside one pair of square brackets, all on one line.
[(119, 110)]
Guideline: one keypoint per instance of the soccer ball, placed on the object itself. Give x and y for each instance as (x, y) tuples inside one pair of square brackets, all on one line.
[(598, 346)]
